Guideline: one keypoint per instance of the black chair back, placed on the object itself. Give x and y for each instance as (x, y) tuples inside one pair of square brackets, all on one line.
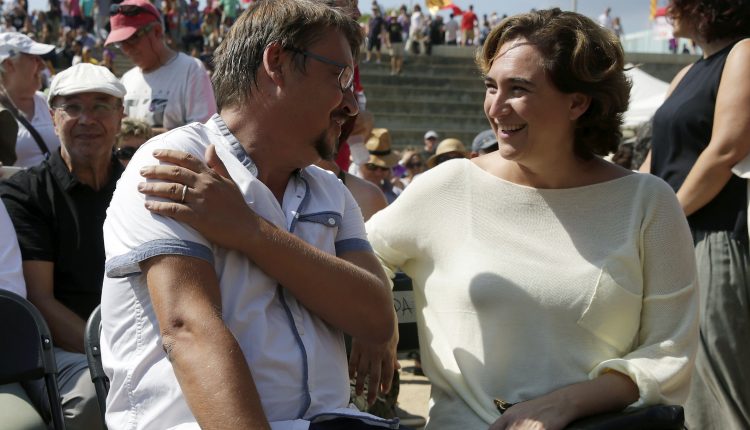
[(27, 353)]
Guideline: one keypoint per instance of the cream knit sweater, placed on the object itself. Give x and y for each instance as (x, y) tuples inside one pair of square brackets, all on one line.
[(521, 291)]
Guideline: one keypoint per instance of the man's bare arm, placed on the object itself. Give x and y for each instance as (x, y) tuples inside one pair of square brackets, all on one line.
[(207, 360), (66, 326)]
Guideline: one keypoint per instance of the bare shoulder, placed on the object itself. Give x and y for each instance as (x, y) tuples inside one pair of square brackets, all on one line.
[(739, 56), (367, 195), (678, 77)]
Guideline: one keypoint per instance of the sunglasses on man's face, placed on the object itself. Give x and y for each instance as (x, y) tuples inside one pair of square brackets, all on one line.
[(125, 152), (372, 167), (128, 10), (447, 156)]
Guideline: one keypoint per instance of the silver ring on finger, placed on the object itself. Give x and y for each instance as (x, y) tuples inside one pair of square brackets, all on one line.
[(184, 193)]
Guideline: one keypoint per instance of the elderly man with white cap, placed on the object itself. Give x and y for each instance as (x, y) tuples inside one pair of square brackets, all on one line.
[(58, 209), (20, 74)]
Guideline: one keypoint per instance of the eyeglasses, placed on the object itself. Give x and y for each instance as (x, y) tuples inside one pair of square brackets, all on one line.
[(447, 156), (75, 110), (132, 40), (346, 77), (129, 10), (413, 165), (125, 152), (372, 167)]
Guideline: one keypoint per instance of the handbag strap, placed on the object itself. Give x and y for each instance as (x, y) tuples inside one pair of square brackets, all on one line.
[(8, 104)]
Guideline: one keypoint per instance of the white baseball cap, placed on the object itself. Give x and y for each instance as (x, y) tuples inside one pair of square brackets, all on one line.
[(431, 134), (12, 43), (85, 78)]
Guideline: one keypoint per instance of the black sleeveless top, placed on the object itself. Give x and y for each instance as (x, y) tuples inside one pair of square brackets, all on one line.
[(682, 130)]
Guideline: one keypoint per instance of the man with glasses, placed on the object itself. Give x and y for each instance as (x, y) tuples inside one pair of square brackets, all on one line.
[(58, 208), (166, 88), (233, 318)]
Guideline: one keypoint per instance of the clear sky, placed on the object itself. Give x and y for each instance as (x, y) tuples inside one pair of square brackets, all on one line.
[(633, 13)]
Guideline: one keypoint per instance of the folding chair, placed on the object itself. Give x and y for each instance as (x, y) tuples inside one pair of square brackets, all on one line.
[(406, 311), (94, 357), (27, 354)]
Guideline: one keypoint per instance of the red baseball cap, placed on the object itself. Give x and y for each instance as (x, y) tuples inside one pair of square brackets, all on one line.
[(128, 17)]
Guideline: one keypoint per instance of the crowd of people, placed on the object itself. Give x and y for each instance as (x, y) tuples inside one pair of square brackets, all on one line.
[(233, 225)]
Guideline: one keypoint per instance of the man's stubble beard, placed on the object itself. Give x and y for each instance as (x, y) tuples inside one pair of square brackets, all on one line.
[(325, 149)]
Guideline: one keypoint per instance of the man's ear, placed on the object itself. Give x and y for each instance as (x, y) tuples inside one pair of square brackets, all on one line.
[(579, 104), (273, 62)]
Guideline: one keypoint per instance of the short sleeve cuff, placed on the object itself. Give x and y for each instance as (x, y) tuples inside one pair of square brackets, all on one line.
[(350, 245), (126, 265)]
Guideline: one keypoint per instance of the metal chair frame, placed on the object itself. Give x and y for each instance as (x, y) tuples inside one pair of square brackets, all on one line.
[(94, 358), (16, 313)]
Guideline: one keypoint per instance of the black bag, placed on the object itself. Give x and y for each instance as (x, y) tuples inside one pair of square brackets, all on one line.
[(657, 417)]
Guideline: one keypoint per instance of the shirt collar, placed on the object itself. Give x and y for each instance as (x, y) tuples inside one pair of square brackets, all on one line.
[(68, 181), (237, 150)]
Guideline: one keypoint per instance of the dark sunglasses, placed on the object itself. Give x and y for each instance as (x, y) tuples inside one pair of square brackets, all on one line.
[(447, 156), (125, 152), (413, 165), (129, 10), (372, 167)]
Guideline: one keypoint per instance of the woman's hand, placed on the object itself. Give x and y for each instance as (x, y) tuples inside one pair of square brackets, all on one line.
[(608, 392), (202, 195), (543, 413)]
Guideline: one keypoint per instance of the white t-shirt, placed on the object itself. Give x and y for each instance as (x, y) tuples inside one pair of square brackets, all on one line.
[(297, 360), (27, 150), (520, 291), (11, 273), (417, 24), (451, 30), (175, 94)]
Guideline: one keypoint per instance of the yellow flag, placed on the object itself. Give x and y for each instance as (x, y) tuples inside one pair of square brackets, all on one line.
[(435, 5), (653, 9)]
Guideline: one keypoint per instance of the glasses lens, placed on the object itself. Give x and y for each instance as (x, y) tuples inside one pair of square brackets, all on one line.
[(75, 110), (125, 153), (72, 110), (449, 156), (346, 78)]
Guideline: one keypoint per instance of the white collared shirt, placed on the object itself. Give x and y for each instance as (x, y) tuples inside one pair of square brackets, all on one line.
[(298, 361)]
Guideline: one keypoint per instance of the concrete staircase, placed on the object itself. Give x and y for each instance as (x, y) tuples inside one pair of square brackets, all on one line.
[(441, 93)]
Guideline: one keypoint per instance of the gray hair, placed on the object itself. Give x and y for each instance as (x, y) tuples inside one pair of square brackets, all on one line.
[(290, 23)]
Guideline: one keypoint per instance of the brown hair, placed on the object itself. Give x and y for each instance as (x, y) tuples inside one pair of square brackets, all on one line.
[(291, 23), (579, 57), (714, 19)]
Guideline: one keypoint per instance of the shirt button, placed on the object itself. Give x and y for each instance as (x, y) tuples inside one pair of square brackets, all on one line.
[(331, 221)]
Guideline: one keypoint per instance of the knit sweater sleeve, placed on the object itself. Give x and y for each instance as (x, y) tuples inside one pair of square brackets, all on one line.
[(399, 234), (661, 362)]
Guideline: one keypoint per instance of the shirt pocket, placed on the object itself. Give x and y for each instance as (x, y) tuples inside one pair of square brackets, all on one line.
[(613, 314), (320, 229)]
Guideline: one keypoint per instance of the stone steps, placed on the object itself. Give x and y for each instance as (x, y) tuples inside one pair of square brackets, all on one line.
[(400, 106)]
